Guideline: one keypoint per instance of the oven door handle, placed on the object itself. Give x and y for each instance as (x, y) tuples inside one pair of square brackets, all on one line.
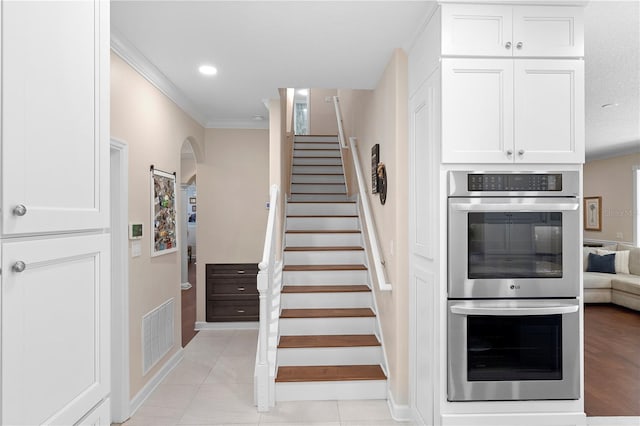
[(513, 311), (488, 207)]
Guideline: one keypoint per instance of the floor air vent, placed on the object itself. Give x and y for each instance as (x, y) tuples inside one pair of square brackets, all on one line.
[(157, 334)]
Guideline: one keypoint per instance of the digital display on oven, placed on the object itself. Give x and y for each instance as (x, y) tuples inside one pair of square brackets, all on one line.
[(514, 182)]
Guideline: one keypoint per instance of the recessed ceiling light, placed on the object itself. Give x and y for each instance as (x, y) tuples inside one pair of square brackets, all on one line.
[(258, 117), (208, 70), (303, 92), (609, 105)]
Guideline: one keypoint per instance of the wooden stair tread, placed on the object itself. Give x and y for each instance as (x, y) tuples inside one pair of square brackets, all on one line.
[(357, 288), (318, 165), (330, 373), (329, 341), (325, 268), (319, 193), (333, 248), (322, 215), (317, 174), (328, 313), (324, 231), (320, 201), (316, 149), (312, 156), (317, 183)]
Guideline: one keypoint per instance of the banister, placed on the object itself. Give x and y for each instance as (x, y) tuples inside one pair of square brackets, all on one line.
[(343, 142), (271, 223), (378, 261)]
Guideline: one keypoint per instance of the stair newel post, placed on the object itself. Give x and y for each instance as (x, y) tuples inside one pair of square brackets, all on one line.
[(265, 289)]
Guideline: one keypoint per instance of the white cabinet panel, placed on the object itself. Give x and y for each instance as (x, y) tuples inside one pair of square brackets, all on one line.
[(99, 416), (55, 329), (549, 111), (55, 77), (548, 31), (482, 30), (477, 110)]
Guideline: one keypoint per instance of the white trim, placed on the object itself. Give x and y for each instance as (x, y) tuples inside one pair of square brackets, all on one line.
[(607, 242), (152, 384), (614, 151), (119, 282), (132, 56), (230, 123), (510, 419), (614, 421), (202, 325), (399, 412), (635, 208)]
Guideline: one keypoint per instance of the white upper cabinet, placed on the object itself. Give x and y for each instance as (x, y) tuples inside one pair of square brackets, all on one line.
[(55, 115), (505, 111), (512, 31)]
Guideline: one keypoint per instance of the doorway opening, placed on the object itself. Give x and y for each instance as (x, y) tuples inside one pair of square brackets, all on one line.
[(188, 227)]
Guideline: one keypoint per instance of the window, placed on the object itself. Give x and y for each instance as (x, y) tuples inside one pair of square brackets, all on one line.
[(636, 205)]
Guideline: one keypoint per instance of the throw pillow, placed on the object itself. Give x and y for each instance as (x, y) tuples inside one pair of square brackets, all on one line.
[(604, 263), (585, 256), (621, 262)]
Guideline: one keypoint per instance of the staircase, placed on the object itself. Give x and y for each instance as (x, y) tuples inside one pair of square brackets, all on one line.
[(328, 347)]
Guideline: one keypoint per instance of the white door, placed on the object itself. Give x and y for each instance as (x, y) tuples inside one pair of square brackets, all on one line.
[(477, 110), (55, 328), (55, 148), (549, 111), (476, 30), (548, 31)]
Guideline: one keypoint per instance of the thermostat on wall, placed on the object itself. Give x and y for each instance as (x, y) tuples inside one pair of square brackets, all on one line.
[(135, 231)]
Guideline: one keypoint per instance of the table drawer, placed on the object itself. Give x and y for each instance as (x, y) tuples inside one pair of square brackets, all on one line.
[(232, 310), (232, 288)]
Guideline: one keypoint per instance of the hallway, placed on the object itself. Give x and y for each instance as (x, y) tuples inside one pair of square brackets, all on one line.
[(213, 385)]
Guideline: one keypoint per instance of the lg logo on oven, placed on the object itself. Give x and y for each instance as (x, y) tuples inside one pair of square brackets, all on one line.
[(514, 287)]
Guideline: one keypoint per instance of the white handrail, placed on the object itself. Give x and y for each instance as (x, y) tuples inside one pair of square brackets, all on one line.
[(336, 105), (376, 254), (265, 289)]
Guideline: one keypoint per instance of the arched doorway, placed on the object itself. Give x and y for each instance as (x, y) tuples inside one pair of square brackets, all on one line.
[(188, 172)]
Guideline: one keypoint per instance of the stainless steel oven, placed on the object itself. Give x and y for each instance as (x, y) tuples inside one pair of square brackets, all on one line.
[(514, 235), (513, 350)]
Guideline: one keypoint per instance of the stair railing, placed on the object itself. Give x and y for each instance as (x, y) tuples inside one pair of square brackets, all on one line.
[(269, 282)]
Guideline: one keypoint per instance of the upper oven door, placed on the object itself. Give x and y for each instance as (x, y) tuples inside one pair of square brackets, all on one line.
[(514, 247)]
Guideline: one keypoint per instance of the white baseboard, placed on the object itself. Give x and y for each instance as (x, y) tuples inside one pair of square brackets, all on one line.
[(613, 421), (201, 325), (399, 412), (152, 384), (511, 419)]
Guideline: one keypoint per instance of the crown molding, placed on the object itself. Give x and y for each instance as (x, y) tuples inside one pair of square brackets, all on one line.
[(237, 124), (132, 56), (613, 151)]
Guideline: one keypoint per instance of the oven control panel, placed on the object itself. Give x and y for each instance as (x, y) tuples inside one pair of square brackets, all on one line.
[(519, 182)]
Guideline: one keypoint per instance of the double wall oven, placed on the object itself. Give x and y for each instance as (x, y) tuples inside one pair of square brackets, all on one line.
[(513, 286)]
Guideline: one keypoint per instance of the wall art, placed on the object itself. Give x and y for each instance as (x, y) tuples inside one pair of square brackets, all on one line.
[(163, 212)]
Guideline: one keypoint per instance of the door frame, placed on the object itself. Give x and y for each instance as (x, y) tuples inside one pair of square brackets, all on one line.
[(119, 192)]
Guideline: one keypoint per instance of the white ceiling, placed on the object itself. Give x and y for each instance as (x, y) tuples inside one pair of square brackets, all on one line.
[(259, 46)]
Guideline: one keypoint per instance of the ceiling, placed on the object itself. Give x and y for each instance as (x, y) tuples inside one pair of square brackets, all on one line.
[(260, 46)]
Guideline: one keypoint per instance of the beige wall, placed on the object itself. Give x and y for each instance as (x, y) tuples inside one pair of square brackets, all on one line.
[(380, 116), (612, 179), (322, 114), (154, 129), (233, 189)]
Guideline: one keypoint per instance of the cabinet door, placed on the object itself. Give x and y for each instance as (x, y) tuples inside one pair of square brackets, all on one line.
[(55, 329), (549, 111), (477, 110), (55, 122), (476, 30), (548, 31)]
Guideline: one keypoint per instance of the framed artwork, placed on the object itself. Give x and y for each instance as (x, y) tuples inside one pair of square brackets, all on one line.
[(163, 212), (192, 200), (593, 213), (193, 209)]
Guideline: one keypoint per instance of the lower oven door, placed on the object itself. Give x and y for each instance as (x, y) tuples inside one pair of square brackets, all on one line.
[(500, 350)]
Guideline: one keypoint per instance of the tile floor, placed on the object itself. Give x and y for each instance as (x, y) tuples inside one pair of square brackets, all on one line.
[(213, 385)]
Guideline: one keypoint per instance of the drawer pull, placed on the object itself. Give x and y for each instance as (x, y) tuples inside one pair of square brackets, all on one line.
[(241, 271), (240, 288), (240, 311)]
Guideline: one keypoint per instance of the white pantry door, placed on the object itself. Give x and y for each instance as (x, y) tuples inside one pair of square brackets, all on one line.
[(55, 116), (55, 329)]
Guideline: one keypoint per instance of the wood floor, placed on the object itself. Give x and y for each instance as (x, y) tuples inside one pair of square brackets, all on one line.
[(189, 308), (612, 361)]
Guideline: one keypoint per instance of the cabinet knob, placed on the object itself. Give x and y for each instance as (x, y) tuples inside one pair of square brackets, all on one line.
[(519, 45), (240, 311), (20, 210), (509, 153), (240, 288), (521, 152), (240, 271), (507, 45), (19, 266)]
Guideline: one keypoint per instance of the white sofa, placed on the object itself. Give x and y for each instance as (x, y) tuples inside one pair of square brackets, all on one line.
[(620, 289)]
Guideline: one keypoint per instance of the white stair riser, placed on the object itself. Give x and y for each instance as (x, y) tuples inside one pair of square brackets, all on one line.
[(319, 240), (319, 197), (319, 145), (322, 223), (330, 391), (317, 179), (318, 188), (319, 138), (298, 153), (319, 161), (317, 169), (323, 326), (342, 257), (362, 355), (328, 209), (326, 300), (324, 277)]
